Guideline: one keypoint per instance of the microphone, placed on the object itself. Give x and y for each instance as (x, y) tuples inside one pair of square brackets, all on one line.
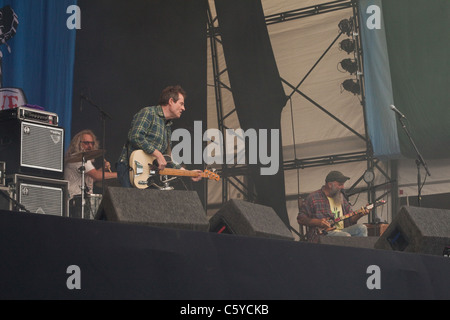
[(344, 194), (401, 115)]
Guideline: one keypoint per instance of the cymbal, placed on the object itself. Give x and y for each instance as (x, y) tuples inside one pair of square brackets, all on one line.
[(88, 155)]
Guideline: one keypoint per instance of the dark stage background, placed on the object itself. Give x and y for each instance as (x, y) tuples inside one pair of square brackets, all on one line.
[(126, 53)]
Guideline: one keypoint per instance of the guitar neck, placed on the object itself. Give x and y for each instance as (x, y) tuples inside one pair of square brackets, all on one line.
[(349, 215), (363, 210), (179, 172)]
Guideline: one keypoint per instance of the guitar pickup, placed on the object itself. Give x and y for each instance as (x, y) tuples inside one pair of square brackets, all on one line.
[(139, 168)]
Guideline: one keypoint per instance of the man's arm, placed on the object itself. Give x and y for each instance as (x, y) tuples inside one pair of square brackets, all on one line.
[(311, 222), (162, 163), (138, 135), (141, 125), (305, 216), (97, 174)]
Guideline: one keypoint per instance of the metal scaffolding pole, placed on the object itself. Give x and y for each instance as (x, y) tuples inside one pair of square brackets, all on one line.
[(229, 172)]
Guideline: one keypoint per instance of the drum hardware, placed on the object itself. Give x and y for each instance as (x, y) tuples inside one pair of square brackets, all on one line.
[(165, 180), (165, 183), (87, 155), (83, 157), (91, 204)]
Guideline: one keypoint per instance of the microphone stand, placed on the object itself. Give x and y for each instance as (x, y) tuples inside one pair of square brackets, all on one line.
[(17, 204), (104, 116), (419, 161)]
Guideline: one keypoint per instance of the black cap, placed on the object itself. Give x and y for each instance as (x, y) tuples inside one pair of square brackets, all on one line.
[(336, 176)]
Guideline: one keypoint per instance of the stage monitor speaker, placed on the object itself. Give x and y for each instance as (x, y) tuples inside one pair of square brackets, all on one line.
[(356, 242), (40, 195), (177, 209), (32, 149), (417, 229), (245, 218)]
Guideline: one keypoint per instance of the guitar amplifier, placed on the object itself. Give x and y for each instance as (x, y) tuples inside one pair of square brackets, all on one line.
[(32, 148), (30, 114), (40, 195)]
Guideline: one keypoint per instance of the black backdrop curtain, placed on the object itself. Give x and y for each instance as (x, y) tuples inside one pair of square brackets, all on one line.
[(127, 52), (256, 86)]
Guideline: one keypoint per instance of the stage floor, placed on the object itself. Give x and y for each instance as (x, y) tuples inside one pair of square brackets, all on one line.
[(51, 257)]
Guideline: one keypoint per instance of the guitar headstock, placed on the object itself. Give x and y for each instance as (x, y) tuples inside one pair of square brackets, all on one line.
[(376, 204), (211, 175), (380, 203)]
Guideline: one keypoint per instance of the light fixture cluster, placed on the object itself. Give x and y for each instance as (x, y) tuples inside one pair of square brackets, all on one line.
[(348, 45)]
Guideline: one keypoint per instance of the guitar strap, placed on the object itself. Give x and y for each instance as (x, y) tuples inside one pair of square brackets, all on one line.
[(169, 147), (128, 155)]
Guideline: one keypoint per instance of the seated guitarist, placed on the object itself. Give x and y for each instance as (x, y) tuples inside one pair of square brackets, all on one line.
[(151, 131), (329, 203)]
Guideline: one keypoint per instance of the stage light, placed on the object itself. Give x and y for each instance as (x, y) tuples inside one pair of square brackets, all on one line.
[(349, 65), (348, 45), (352, 86), (346, 26)]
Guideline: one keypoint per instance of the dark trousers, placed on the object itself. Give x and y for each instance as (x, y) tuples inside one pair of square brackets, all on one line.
[(123, 175)]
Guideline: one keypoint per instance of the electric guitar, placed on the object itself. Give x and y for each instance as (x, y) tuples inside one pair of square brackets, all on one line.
[(144, 170), (323, 231)]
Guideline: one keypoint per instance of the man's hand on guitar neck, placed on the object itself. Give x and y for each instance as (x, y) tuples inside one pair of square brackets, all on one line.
[(197, 178), (360, 213)]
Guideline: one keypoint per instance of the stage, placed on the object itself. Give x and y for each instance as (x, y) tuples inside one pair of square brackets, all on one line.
[(49, 257)]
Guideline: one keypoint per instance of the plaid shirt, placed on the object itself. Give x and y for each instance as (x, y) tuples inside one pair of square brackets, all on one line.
[(317, 206), (149, 131)]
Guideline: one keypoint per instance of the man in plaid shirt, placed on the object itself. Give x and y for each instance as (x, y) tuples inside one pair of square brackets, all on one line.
[(151, 131), (328, 203)]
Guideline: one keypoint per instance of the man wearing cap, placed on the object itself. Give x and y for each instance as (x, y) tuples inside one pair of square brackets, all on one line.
[(329, 203)]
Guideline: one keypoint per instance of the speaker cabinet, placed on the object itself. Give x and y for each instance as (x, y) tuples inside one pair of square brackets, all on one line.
[(417, 229), (32, 148), (171, 209), (245, 218), (40, 195)]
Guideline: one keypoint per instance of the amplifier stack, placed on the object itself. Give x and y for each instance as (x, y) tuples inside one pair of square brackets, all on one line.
[(32, 154)]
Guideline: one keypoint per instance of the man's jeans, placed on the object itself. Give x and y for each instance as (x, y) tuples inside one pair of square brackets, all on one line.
[(356, 230), (123, 175)]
